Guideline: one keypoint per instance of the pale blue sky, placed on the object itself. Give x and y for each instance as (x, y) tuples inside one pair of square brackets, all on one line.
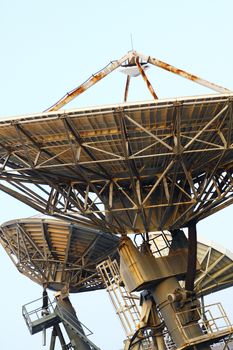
[(48, 48)]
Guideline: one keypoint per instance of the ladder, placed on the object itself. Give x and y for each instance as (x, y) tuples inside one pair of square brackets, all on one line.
[(126, 306), (123, 302)]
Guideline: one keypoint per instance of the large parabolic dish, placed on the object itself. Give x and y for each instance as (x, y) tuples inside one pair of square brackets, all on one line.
[(56, 254), (132, 167)]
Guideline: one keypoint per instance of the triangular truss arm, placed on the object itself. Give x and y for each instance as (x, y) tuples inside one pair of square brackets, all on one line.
[(133, 57)]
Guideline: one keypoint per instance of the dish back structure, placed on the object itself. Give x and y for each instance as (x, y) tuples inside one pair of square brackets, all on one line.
[(56, 253), (128, 168)]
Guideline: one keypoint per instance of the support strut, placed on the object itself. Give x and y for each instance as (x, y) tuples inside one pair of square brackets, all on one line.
[(192, 256)]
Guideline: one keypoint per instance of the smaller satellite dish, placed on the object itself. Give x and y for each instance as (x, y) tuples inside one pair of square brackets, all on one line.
[(216, 264), (57, 253)]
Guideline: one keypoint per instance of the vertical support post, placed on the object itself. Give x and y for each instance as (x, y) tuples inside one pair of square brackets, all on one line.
[(53, 339), (175, 304), (44, 337), (180, 334), (60, 337), (149, 317), (126, 88), (192, 256)]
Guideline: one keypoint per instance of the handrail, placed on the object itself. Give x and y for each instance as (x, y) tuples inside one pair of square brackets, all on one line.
[(67, 316), (56, 309)]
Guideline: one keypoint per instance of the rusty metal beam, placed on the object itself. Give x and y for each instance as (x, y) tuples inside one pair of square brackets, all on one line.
[(88, 83), (143, 74), (126, 88), (128, 57), (185, 74), (218, 115)]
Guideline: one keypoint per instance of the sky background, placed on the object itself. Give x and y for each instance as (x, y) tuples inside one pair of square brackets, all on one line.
[(49, 47)]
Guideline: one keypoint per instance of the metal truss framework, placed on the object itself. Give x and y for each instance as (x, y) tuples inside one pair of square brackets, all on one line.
[(130, 177), (134, 167), (130, 60), (216, 269), (57, 254)]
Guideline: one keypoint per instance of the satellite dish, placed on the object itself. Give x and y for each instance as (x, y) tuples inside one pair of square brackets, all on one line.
[(216, 263), (57, 253)]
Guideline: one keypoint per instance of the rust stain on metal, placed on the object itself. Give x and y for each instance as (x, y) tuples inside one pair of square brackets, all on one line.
[(178, 71), (187, 75), (89, 82), (132, 58), (126, 88), (95, 78), (79, 90), (141, 70), (98, 76)]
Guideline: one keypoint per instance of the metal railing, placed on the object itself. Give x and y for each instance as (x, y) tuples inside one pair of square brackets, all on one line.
[(212, 319), (35, 314), (31, 312), (69, 318), (123, 301)]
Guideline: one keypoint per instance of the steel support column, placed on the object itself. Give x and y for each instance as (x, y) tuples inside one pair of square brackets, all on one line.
[(161, 276), (192, 256)]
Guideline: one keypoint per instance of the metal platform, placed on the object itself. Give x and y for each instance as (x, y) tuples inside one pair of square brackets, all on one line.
[(214, 322), (38, 319)]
